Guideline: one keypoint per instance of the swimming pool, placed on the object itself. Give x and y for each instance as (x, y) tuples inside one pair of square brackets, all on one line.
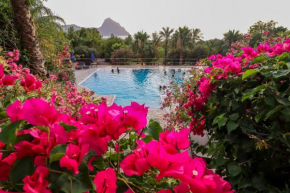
[(134, 84)]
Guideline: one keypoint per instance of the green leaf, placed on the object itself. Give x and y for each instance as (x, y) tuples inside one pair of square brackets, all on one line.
[(234, 116), (3, 115), (220, 161), (243, 183), (277, 108), (283, 57), (68, 127), (57, 153), (234, 169), (99, 163), (252, 92), (22, 168), (259, 59), (231, 126), (260, 115), (147, 138), (281, 73), (42, 128), (154, 129), (9, 133), (222, 122), (218, 118), (249, 73), (78, 183), (283, 101), (270, 101)]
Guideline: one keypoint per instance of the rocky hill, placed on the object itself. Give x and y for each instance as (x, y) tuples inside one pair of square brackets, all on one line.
[(108, 28)]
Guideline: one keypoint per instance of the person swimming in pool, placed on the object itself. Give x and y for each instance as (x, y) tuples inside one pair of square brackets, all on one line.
[(112, 70), (118, 70)]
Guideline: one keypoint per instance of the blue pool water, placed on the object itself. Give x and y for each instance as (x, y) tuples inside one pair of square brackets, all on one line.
[(139, 85)]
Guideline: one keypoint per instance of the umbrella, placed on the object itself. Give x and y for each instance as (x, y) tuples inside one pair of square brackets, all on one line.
[(72, 58), (92, 56)]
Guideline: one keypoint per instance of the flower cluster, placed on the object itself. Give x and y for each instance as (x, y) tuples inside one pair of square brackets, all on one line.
[(223, 67)]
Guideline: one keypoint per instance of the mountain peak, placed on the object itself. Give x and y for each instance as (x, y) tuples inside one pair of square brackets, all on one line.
[(110, 27)]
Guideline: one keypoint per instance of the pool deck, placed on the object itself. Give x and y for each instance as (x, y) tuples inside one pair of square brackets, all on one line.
[(82, 74)]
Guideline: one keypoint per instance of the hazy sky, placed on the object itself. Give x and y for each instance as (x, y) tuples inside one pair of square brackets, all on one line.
[(213, 17)]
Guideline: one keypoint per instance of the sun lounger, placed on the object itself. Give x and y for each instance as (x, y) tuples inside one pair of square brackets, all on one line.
[(80, 65), (88, 64)]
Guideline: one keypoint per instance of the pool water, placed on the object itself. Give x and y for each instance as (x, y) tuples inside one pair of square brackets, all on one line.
[(131, 84)]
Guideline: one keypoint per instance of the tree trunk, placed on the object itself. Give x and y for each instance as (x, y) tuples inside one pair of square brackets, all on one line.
[(181, 58), (25, 25), (165, 52)]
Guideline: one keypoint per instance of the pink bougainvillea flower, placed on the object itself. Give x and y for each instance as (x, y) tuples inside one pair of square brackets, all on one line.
[(135, 116), (127, 191), (90, 135), (1, 144), (249, 52), (212, 57), (37, 182), (178, 140), (8, 80), (1, 71), (216, 184), (263, 48), (73, 157), (108, 120), (57, 131), (15, 112), (205, 87), (28, 149), (181, 188), (134, 165), (234, 67), (39, 112), (5, 165), (165, 191), (106, 181)]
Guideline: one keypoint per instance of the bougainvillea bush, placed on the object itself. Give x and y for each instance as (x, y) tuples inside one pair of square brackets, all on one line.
[(242, 102), (56, 139)]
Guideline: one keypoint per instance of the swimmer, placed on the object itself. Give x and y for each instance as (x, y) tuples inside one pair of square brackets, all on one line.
[(112, 70)]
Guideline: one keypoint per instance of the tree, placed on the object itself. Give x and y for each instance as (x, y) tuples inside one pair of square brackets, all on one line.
[(216, 46), (156, 39), (141, 46), (166, 34), (260, 27), (26, 28), (129, 40), (232, 36), (197, 35), (183, 35)]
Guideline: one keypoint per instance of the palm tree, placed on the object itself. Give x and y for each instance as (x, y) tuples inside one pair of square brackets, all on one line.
[(196, 35), (216, 46), (25, 26), (166, 33), (232, 36), (156, 39), (140, 44), (183, 35)]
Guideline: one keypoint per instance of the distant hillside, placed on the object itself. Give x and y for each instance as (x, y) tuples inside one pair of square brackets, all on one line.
[(66, 27), (108, 28)]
